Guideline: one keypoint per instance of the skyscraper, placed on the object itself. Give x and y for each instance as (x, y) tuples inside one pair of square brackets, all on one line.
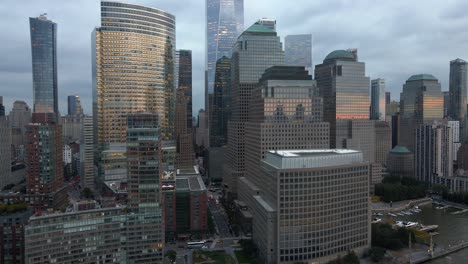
[(5, 153), (298, 50), (44, 64), (285, 112), (433, 152), (74, 106), (145, 243), (256, 49), (2, 107), (224, 23), (378, 100), (446, 103), (87, 153), (20, 116), (344, 88), (221, 109), (388, 98), (185, 81), (421, 102), (458, 88), (45, 158), (133, 68)]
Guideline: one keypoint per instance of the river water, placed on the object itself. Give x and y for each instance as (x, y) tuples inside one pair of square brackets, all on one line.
[(452, 230)]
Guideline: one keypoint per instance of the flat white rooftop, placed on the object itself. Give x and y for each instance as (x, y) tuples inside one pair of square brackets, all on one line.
[(316, 158)]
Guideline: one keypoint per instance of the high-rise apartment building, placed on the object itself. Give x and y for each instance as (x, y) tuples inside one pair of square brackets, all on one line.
[(224, 23), (433, 152), (87, 153), (298, 50), (44, 64), (256, 49), (44, 160), (74, 105), (344, 88), (456, 144), (458, 89), (221, 107), (145, 242), (295, 218), (133, 68), (378, 103), (5, 153), (421, 102)]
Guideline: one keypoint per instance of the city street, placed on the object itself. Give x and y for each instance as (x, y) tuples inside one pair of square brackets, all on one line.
[(220, 218)]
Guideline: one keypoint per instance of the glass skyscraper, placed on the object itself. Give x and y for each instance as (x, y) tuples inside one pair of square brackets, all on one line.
[(224, 23), (74, 105), (378, 99), (221, 107), (298, 50), (458, 89), (344, 86), (257, 49), (44, 64), (421, 102), (133, 68)]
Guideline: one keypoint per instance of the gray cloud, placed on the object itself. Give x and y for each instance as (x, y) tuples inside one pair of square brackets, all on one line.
[(395, 38)]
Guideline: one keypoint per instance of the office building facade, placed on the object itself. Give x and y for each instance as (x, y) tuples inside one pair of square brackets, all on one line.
[(297, 221), (400, 162), (44, 64), (133, 68), (298, 50), (256, 49), (146, 242), (12, 225), (378, 103), (221, 107), (74, 105), (458, 88), (383, 141), (433, 152), (344, 88), (421, 102), (87, 153)]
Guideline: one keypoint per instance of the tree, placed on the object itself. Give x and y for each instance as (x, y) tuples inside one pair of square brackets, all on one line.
[(377, 254), (87, 193), (171, 255)]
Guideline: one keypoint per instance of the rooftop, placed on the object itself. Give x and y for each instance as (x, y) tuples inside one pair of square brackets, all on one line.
[(423, 76), (296, 159), (340, 54), (259, 29), (190, 183), (400, 150)]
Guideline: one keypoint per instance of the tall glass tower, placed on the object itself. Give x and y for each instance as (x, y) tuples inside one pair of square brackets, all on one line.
[(378, 99), (133, 68), (458, 89), (421, 102), (224, 23), (44, 64), (298, 50), (342, 82)]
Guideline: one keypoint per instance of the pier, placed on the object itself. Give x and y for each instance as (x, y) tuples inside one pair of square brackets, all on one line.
[(421, 257)]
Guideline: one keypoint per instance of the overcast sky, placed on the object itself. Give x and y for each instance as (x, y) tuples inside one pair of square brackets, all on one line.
[(394, 38)]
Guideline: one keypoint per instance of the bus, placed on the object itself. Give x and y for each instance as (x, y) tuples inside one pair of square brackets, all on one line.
[(196, 244)]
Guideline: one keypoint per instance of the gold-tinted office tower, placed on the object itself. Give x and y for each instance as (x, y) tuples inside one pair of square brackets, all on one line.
[(133, 69)]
